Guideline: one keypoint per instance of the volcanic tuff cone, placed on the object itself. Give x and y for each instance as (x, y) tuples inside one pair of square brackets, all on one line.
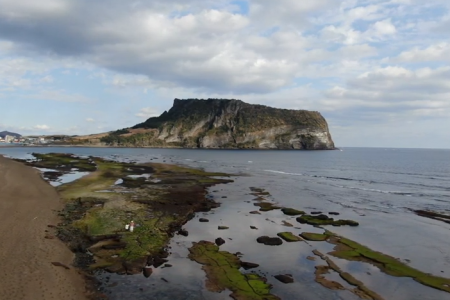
[(219, 123)]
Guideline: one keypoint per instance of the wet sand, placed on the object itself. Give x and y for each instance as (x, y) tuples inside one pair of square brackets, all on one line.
[(27, 205)]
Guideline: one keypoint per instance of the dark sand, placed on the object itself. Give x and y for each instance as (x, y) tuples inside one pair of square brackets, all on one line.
[(27, 205)]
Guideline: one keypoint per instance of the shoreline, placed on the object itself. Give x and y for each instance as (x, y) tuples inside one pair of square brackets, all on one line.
[(34, 261), (151, 147)]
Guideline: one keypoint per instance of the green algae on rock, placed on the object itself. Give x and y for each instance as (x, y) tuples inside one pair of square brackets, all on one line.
[(222, 271), (292, 211), (61, 162), (361, 290), (324, 220), (314, 236), (351, 250), (266, 206), (159, 198), (289, 237)]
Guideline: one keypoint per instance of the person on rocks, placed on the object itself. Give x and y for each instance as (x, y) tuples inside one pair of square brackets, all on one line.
[(132, 226)]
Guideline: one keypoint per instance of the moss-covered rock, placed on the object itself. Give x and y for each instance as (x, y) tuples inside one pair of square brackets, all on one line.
[(289, 237), (62, 162), (313, 236), (266, 206), (97, 209), (222, 271), (351, 250)]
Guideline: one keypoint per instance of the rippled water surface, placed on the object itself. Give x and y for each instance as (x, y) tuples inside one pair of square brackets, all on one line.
[(376, 187)]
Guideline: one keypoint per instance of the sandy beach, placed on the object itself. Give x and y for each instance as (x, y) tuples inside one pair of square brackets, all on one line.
[(27, 206)]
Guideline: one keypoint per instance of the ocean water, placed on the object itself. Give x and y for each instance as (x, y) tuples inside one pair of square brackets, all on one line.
[(377, 187)]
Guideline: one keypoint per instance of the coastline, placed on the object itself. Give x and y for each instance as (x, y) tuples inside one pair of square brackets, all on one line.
[(28, 246)]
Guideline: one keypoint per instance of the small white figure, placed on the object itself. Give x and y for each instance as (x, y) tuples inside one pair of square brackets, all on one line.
[(127, 226), (132, 226)]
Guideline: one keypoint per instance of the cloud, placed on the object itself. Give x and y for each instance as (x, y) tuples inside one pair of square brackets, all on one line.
[(370, 60), (90, 120), (395, 91), (435, 52), (148, 112), (41, 127)]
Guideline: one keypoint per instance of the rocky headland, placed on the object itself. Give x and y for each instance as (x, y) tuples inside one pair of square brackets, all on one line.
[(222, 124)]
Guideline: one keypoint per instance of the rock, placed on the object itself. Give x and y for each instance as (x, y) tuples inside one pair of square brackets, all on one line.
[(289, 237), (316, 212), (333, 213), (269, 241), (147, 271), (286, 278), (313, 236), (311, 258), (322, 217), (253, 227), (183, 232), (167, 265), (324, 220), (220, 241), (292, 212), (266, 206), (58, 264), (223, 227), (203, 220), (287, 224), (255, 212), (134, 267), (116, 268), (158, 261), (248, 265)]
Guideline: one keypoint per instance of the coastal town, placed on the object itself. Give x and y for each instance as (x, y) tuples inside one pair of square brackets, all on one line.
[(7, 138)]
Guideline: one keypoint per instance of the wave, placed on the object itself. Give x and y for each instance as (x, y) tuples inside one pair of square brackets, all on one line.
[(405, 184), (317, 176)]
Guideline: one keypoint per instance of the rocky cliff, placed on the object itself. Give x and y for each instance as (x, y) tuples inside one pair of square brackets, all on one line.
[(217, 123)]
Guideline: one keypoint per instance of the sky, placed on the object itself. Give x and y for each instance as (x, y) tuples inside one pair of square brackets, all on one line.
[(377, 70)]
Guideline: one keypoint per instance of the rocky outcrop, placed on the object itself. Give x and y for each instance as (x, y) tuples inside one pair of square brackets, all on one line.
[(217, 123)]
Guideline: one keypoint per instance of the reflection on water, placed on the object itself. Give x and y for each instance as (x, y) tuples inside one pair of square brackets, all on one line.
[(348, 182)]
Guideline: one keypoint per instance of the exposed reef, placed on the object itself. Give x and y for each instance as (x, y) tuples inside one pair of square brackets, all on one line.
[(159, 198), (222, 271), (351, 250)]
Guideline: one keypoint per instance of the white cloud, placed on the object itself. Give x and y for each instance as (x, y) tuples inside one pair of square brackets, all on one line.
[(436, 52), (41, 127), (367, 55), (90, 120), (148, 112)]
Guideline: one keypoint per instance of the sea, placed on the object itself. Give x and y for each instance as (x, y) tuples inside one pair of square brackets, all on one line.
[(378, 187)]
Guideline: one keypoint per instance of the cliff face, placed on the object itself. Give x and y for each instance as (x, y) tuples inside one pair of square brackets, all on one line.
[(215, 123)]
